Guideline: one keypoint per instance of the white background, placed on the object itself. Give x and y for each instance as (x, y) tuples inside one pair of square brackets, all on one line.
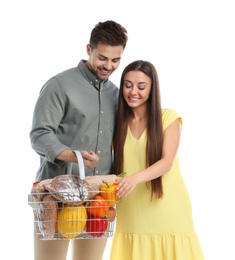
[(191, 43)]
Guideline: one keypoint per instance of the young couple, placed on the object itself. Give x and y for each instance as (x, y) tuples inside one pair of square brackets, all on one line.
[(81, 109)]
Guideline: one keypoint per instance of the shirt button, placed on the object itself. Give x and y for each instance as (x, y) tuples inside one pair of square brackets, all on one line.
[(97, 172), (98, 151), (101, 131), (101, 111)]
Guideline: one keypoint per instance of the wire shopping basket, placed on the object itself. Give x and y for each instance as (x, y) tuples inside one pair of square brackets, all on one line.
[(67, 208), (59, 219)]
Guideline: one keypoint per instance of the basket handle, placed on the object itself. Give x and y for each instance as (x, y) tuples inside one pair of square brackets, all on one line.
[(80, 165)]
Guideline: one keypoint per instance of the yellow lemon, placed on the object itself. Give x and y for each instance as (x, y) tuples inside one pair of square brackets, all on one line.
[(71, 220)]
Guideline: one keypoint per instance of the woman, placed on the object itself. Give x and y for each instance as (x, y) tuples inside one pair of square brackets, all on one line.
[(154, 219)]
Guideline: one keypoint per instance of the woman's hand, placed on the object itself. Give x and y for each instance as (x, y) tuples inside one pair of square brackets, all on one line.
[(126, 185), (90, 159)]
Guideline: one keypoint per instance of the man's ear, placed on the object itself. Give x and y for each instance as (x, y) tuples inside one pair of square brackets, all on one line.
[(88, 49)]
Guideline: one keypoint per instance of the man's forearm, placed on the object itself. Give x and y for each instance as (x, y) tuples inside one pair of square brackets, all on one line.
[(67, 156)]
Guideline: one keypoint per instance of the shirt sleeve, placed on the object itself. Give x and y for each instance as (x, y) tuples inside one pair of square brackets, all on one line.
[(169, 116), (47, 115)]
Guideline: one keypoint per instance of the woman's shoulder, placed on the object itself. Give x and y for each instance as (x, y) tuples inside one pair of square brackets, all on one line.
[(169, 112), (168, 116)]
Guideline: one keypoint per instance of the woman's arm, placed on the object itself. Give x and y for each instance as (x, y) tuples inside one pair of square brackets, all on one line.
[(171, 140)]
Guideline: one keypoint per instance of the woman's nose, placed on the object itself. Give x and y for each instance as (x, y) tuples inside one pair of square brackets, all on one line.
[(133, 90)]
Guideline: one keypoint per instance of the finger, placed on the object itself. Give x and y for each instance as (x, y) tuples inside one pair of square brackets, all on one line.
[(121, 190)]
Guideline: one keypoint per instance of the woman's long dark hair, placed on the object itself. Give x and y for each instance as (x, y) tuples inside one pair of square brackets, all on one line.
[(154, 124)]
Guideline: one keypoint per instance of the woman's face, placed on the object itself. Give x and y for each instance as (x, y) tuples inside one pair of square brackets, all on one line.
[(136, 88)]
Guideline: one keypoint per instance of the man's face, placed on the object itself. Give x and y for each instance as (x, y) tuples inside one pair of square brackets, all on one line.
[(104, 60)]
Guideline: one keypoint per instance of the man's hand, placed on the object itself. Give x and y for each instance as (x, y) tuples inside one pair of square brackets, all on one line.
[(90, 159)]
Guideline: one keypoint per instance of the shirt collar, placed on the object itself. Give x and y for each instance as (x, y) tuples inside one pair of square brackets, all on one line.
[(89, 75)]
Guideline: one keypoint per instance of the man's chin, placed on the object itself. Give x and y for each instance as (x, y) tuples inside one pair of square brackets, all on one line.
[(103, 77)]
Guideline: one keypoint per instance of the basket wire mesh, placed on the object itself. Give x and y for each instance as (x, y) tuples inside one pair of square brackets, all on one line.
[(68, 219)]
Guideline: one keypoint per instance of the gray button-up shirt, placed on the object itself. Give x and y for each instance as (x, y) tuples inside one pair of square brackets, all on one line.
[(74, 111)]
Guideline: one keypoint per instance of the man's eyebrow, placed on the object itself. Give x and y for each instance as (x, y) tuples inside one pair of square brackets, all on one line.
[(102, 56)]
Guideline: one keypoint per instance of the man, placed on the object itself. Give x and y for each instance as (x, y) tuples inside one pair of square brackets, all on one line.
[(75, 111)]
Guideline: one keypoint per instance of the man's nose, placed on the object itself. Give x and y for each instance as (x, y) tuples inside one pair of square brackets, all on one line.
[(108, 65)]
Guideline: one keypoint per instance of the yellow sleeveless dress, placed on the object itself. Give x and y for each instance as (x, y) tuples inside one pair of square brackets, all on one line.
[(161, 229)]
